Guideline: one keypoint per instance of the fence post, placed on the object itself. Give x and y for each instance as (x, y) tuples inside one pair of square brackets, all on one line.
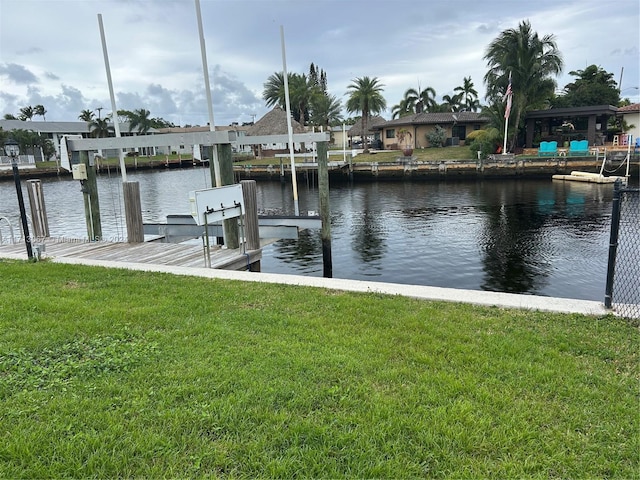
[(613, 244)]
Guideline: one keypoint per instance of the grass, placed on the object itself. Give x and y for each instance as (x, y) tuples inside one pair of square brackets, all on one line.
[(111, 373)]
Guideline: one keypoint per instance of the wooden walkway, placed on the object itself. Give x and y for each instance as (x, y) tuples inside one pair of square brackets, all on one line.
[(156, 253)]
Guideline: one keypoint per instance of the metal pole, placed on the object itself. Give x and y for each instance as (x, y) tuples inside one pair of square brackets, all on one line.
[(289, 128), (613, 244), (116, 124), (23, 213), (207, 86)]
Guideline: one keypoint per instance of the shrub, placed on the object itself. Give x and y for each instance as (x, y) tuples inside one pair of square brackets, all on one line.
[(485, 141), (436, 136)]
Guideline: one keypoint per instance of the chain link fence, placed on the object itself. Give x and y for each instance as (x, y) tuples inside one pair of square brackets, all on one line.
[(623, 272)]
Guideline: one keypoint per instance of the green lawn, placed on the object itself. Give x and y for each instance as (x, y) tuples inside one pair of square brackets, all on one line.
[(112, 373)]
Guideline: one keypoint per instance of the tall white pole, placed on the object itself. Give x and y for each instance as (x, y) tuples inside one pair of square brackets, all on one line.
[(289, 127), (116, 124), (207, 86), (504, 146), (344, 143)]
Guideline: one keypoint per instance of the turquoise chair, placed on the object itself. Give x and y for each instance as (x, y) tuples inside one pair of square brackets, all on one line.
[(578, 148), (548, 149)]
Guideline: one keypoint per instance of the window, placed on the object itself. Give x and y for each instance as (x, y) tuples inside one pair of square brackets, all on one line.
[(459, 131), (390, 133)]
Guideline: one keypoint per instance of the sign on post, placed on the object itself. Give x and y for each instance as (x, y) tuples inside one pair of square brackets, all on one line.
[(216, 204)]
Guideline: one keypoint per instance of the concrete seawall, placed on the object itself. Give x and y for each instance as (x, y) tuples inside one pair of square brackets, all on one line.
[(442, 170)]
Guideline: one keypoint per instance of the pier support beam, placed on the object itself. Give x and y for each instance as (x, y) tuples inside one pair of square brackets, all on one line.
[(251, 227), (91, 202), (133, 212), (225, 159), (325, 210)]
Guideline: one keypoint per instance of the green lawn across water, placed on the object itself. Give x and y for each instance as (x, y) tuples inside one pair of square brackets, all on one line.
[(110, 373)]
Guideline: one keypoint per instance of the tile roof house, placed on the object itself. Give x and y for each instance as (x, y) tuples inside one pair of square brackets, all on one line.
[(456, 124), (631, 115)]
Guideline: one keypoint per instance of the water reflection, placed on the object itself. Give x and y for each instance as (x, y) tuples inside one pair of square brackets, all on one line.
[(525, 236)]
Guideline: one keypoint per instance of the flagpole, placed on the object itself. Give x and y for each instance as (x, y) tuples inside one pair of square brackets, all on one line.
[(507, 112), (504, 146)]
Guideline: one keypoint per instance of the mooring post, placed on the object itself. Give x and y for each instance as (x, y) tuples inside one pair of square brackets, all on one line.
[(230, 227), (325, 210), (38, 209), (91, 202), (251, 228), (133, 212)]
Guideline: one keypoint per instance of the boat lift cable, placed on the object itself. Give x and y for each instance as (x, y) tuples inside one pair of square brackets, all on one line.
[(117, 212), (622, 164)]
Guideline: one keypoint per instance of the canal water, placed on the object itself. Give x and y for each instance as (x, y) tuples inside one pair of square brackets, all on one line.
[(528, 236)]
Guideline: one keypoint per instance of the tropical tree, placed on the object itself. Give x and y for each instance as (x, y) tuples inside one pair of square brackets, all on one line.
[(593, 86), (301, 91), (365, 96), (326, 110), (469, 95), (407, 105), (530, 61), (40, 111), (86, 115), (26, 113), (140, 120), (100, 128), (402, 109), (10, 116), (423, 100), (452, 103)]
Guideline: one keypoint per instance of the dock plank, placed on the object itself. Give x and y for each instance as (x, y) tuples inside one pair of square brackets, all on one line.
[(185, 255)]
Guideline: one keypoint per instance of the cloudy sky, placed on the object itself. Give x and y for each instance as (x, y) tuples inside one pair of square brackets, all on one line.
[(51, 54)]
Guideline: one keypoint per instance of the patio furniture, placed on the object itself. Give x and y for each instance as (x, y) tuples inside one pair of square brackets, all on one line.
[(578, 148), (616, 141), (548, 149)]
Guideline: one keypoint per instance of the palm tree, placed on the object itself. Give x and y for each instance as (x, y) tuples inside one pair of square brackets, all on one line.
[(40, 111), (402, 109), (26, 113), (452, 104), (140, 120), (365, 95), (100, 128), (423, 100), (325, 110), (10, 116), (301, 91), (86, 115), (407, 105), (531, 62), (469, 94)]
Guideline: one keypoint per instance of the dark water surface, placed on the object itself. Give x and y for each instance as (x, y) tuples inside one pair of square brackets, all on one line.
[(523, 236)]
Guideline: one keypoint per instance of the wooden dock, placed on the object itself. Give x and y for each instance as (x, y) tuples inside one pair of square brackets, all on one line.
[(155, 253)]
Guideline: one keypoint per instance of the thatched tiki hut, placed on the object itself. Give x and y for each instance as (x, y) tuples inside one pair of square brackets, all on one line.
[(356, 129), (273, 123)]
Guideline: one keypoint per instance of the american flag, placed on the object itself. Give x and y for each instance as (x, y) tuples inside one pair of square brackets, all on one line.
[(507, 96)]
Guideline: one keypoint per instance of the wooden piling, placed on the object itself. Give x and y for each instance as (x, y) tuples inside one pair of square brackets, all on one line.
[(91, 200), (38, 209), (325, 210), (251, 229), (133, 212), (230, 227)]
